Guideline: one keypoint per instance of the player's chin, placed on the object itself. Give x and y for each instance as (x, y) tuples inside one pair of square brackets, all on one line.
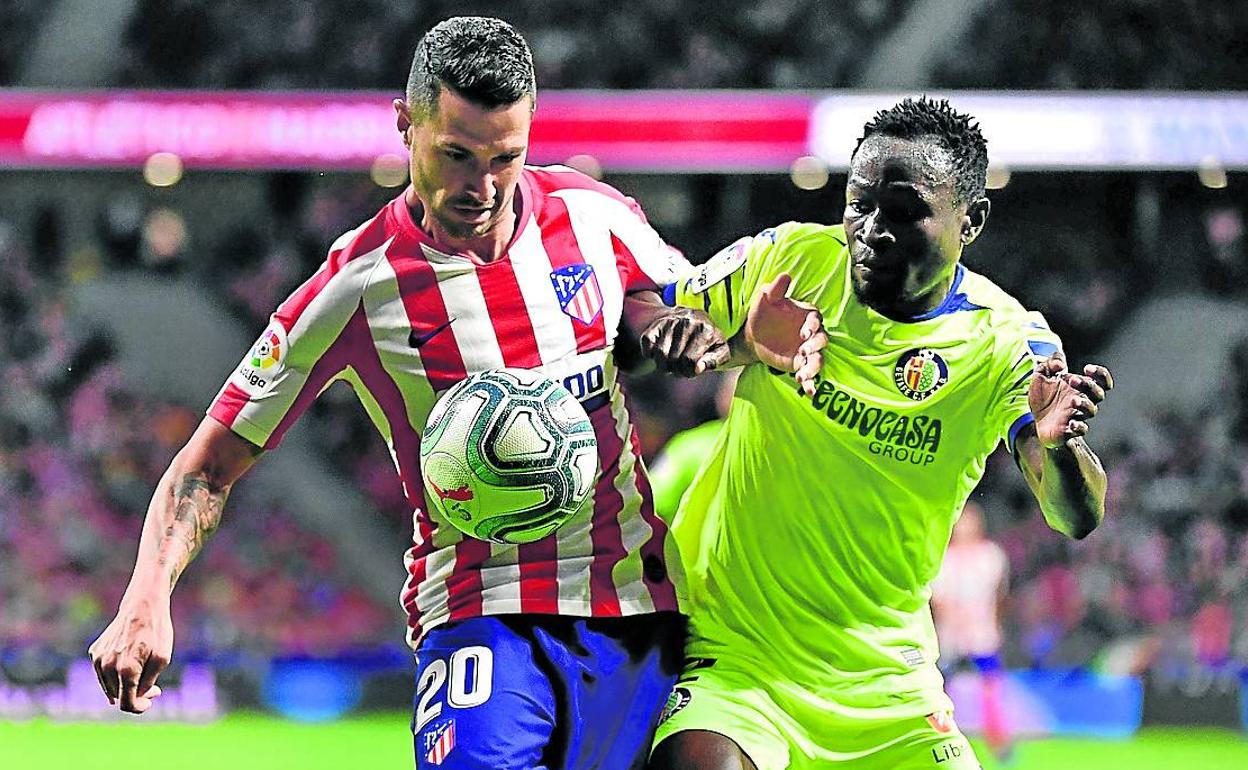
[(876, 289), (467, 226)]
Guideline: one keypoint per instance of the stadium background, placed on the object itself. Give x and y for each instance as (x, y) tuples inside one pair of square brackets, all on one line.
[(129, 286)]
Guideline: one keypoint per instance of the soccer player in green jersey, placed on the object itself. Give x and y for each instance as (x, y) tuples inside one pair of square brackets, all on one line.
[(812, 532), (675, 468)]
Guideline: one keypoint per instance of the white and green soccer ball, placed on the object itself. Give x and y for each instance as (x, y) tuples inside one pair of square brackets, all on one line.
[(508, 456)]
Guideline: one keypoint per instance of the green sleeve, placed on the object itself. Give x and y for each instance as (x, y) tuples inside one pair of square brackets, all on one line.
[(724, 285), (675, 468), (1030, 342)]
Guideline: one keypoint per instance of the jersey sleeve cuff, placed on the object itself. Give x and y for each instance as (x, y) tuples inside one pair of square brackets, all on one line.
[(244, 428), (1023, 421), (669, 295)]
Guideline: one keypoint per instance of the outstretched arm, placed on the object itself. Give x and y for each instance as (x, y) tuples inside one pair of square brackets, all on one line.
[(1063, 472), (783, 333), (677, 339), (185, 510), (778, 331)]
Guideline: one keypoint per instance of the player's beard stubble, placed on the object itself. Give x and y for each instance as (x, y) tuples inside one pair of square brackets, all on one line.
[(880, 288), (441, 206)]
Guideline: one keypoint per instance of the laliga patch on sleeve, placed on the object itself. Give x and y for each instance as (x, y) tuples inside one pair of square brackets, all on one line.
[(719, 267), (263, 363)]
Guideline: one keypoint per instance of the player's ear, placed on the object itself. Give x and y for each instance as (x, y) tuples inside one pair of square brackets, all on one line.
[(975, 219), (403, 121)]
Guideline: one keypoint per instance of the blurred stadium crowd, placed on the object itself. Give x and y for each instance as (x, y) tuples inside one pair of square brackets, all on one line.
[(1159, 589), (646, 44), (80, 452), (1117, 44)]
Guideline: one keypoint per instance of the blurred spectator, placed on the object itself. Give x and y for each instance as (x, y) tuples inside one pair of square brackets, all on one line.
[(577, 44), (1117, 44), (79, 455), (678, 463), (966, 596)]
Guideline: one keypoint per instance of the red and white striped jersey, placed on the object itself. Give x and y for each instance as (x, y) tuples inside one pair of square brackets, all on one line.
[(402, 318)]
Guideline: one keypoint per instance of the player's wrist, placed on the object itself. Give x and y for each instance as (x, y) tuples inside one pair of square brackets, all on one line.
[(642, 308), (149, 589), (741, 351), (1063, 445)]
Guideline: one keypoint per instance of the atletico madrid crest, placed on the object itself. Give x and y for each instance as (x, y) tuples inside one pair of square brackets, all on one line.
[(576, 286), (919, 373), (439, 742)]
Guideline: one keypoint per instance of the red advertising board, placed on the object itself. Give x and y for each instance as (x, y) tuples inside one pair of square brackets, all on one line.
[(623, 131)]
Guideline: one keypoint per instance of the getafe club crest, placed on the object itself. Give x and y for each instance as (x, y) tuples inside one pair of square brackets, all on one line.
[(576, 287), (919, 373)]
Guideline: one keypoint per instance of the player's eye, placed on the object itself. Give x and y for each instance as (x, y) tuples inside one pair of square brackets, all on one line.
[(455, 154), (903, 213), (859, 206)]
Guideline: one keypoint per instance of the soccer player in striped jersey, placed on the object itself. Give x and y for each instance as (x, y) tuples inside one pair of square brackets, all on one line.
[(812, 532), (966, 596), (557, 653)]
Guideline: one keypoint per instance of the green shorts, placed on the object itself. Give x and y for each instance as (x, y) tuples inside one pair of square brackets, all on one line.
[(777, 729)]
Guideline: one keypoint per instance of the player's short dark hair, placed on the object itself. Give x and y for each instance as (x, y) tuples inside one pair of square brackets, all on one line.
[(955, 131), (484, 60)]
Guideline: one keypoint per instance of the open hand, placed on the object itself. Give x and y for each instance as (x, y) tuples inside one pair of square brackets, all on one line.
[(1063, 402), (786, 334), (132, 652)]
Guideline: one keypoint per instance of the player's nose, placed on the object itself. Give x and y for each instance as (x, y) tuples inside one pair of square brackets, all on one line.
[(482, 188), (875, 233)]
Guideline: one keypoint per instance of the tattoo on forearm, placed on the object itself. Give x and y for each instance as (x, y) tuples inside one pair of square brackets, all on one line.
[(197, 506)]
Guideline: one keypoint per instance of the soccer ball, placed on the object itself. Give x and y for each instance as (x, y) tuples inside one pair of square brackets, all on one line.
[(508, 456)]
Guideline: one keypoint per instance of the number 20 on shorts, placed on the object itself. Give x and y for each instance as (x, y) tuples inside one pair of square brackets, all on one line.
[(468, 677)]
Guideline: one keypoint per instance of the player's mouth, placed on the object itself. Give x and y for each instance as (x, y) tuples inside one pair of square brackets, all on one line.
[(472, 213), (875, 270)]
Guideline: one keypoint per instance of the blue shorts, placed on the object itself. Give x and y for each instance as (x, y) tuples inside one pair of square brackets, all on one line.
[(988, 664), (984, 664), (530, 692)]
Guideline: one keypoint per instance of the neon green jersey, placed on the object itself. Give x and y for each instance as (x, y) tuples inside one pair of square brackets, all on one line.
[(810, 536), (674, 470)]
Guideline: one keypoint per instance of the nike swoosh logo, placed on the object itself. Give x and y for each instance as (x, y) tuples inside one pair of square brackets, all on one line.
[(418, 340)]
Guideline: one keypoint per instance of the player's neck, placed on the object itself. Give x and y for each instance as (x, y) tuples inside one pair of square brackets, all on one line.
[(485, 248), (922, 307)]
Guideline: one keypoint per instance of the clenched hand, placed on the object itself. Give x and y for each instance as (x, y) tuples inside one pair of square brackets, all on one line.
[(1063, 402), (684, 342), (132, 652)]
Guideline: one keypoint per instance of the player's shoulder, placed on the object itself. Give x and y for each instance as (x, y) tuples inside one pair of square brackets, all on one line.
[(366, 239), (985, 293), (806, 235), (1015, 328), (791, 243), (810, 252), (557, 180), (1005, 311)]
